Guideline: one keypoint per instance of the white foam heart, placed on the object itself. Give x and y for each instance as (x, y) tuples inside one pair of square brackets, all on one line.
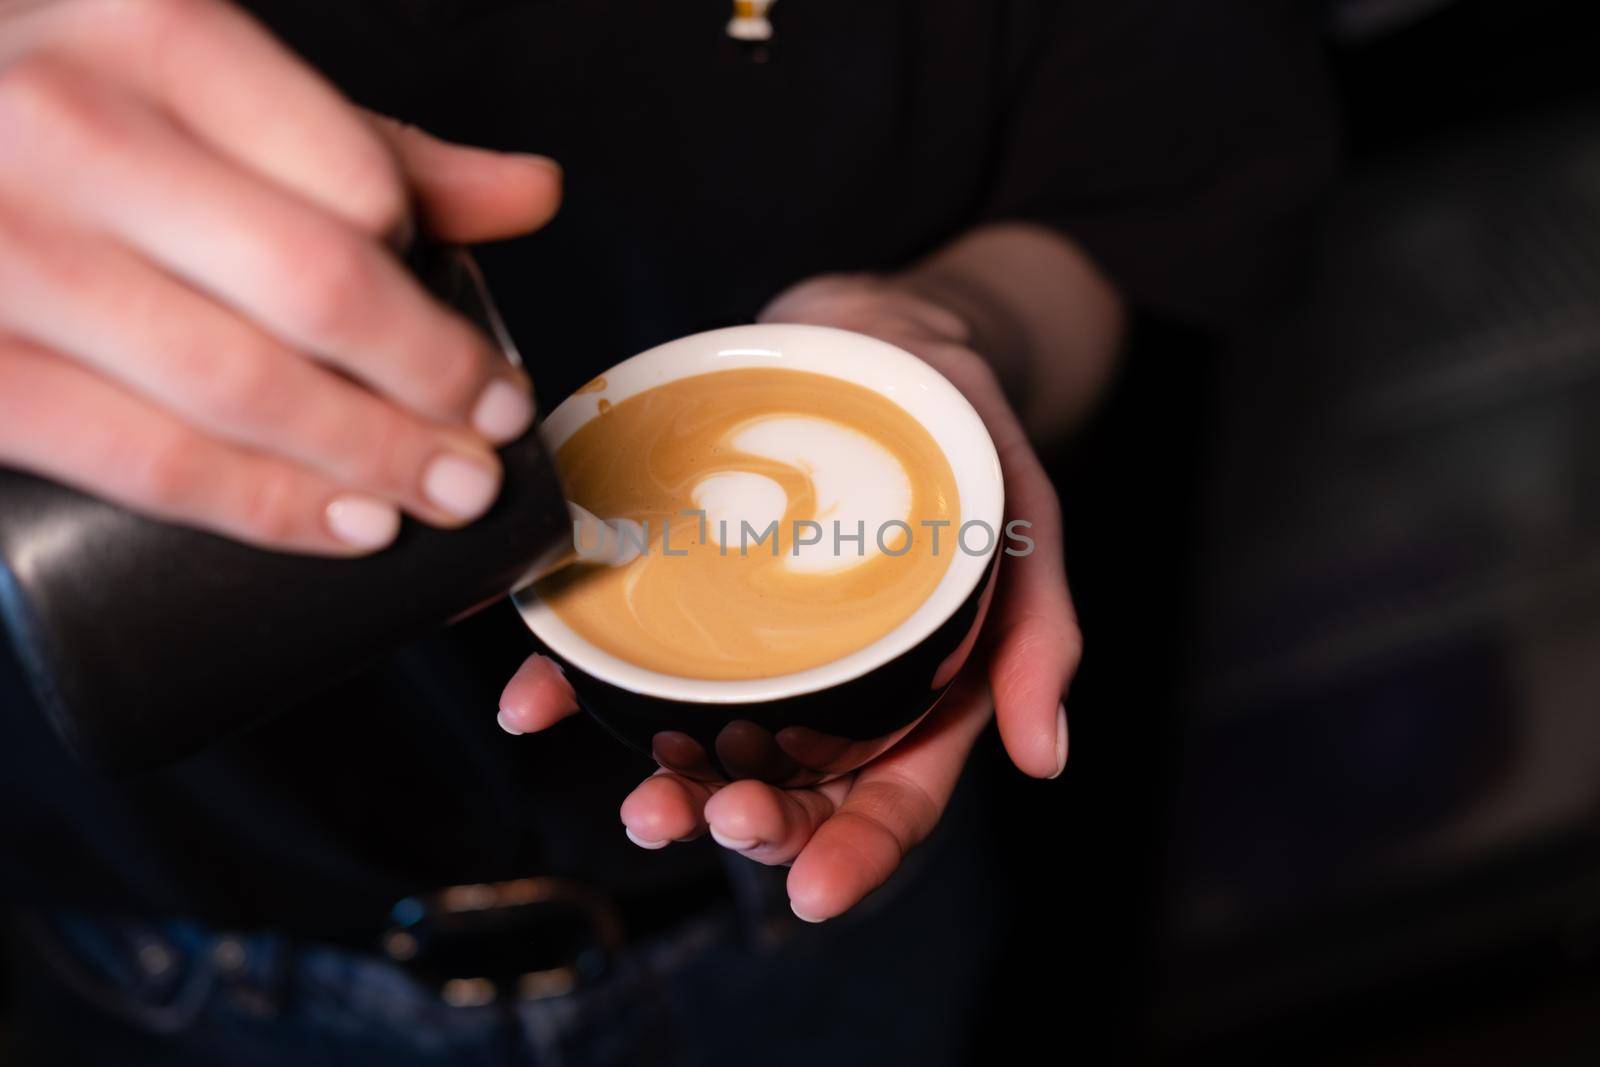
[(731, 497), (859, 485)]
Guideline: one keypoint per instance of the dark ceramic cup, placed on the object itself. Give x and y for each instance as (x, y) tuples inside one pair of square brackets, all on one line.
[(811, 725)]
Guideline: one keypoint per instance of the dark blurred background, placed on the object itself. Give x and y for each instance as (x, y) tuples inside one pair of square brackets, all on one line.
[(1335, 785)]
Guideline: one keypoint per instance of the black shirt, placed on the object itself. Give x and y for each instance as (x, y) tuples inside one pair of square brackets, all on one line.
[(1178, 142)]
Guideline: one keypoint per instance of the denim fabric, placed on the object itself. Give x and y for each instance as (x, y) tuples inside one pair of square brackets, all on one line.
[(895, 982)]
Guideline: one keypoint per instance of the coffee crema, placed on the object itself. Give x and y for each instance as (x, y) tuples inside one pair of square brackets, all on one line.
[(792, 518)]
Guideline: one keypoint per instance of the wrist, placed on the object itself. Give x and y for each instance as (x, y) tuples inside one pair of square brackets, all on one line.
[(1041, 312), (991, 331)]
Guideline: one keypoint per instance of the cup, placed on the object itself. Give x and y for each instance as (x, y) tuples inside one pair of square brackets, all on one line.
[(807, 726)]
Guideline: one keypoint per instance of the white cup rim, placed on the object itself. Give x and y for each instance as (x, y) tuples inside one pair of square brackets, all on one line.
[(885, 369)]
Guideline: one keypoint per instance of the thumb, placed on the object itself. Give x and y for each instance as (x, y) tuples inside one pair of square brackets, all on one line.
[(467, 194)]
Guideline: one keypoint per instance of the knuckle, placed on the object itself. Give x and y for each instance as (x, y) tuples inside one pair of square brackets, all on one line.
[(879, 841), (969, 371), (1072, 649), (26, 262), (151, 12), (377, 198), (162, 473), (162, 13), (1043, 631), (1025, 475), (328, 287), (270, 507), (453, 372), (14, 242), (149, 22), (1042, 642), (236, 389), (374, 454), (899, 811), (152, 35), (18, 394), (41, 92)]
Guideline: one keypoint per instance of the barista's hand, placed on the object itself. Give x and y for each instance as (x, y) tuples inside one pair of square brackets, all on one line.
[(201, 312), (846, 837)]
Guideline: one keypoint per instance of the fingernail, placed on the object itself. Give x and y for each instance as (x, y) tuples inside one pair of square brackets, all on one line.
[(507, 723), (543, 161), (459, 486), (735, 843), (802, 916), (642, 843), (362, 521), (503, 412), (1061, 740)]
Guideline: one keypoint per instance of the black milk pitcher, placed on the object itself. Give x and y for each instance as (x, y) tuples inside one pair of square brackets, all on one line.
[(143, 641)]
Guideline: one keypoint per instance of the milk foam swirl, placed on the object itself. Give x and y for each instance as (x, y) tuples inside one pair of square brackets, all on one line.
[(757, 457)]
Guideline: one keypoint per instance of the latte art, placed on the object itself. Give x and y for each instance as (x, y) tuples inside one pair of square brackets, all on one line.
[(788, 516), (857, 486)]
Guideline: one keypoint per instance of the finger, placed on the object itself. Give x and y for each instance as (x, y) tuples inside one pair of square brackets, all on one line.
[(60, 421), (470, 194), (680, 753), (665, 808), (863, 304), (263, 107), (749, 750), (767, 824), (91, 298), (1033, 637), (316, 283), (893, 805), (537, 697), (1036, 643)]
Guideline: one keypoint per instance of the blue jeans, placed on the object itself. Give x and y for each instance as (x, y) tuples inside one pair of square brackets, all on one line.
[(897, 982)]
